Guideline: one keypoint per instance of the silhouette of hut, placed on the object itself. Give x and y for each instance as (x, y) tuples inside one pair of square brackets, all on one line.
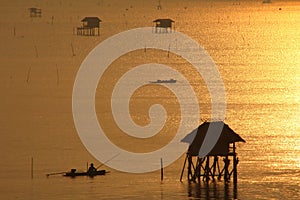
[(225, 147), (163, 25), (267, 1), (35, 12), (90, 26), (159, 7)]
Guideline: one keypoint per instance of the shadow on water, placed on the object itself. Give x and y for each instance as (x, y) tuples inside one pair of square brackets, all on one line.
[(212, 190)]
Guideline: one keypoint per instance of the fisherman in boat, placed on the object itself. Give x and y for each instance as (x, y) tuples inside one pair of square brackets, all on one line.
[(91, 169)]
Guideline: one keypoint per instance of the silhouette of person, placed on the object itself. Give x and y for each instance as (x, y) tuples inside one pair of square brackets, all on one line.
[(91, 169)]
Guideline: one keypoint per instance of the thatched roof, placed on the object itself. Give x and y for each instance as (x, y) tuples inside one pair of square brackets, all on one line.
[(163, 20), (91, 22), (221, 148), (163, 23), (89, 19)]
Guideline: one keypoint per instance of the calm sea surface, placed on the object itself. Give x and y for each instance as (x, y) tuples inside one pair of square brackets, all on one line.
[(255, 47)]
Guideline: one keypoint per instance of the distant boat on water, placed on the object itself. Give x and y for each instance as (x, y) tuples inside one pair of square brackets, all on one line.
[(73, 173), (267, 1), (164, 81)]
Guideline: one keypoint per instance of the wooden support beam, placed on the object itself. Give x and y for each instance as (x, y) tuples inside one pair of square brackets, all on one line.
[(183, 167), (207, 169), (190, 160), (226, 170), (198, 168), (235, 162)]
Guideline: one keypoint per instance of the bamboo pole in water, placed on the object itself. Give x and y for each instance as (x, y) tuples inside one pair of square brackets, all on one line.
[(31, 167), (73, 52), (36, 51), (57, 75), (161, 170), (28, 74)]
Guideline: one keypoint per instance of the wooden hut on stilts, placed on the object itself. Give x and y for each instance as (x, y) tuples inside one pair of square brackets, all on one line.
[(35, 12), (164, 25), (90, 26), (159, 5), (220, 163)]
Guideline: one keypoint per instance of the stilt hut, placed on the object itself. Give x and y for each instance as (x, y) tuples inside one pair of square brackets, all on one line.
[(35, 12), (164, 25), (90, 26), (159, 5), (267, 1), (220, 162)]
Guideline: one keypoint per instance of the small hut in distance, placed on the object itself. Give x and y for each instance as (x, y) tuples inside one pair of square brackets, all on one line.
[(35, 12), (267, 1), (90, 26), (210, 166), (164, 25)]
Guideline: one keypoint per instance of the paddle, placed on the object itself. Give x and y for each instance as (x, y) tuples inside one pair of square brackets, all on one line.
[(56, 173), (108, 160)]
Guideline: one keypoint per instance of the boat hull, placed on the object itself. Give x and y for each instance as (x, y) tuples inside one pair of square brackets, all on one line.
[(164, 81), (91, 174)]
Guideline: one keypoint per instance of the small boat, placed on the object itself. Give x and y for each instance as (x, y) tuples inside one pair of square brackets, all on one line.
[(73, 173), (267, 1), (164, 81)]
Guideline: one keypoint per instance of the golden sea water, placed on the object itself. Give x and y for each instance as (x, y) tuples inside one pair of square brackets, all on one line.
[(255, 47)]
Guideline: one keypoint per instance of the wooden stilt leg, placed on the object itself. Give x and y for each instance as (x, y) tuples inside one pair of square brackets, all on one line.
[(183, 167), (198, 169), (226, 172), (207, 169), (214, 167), (235, 162), (190, 167)]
